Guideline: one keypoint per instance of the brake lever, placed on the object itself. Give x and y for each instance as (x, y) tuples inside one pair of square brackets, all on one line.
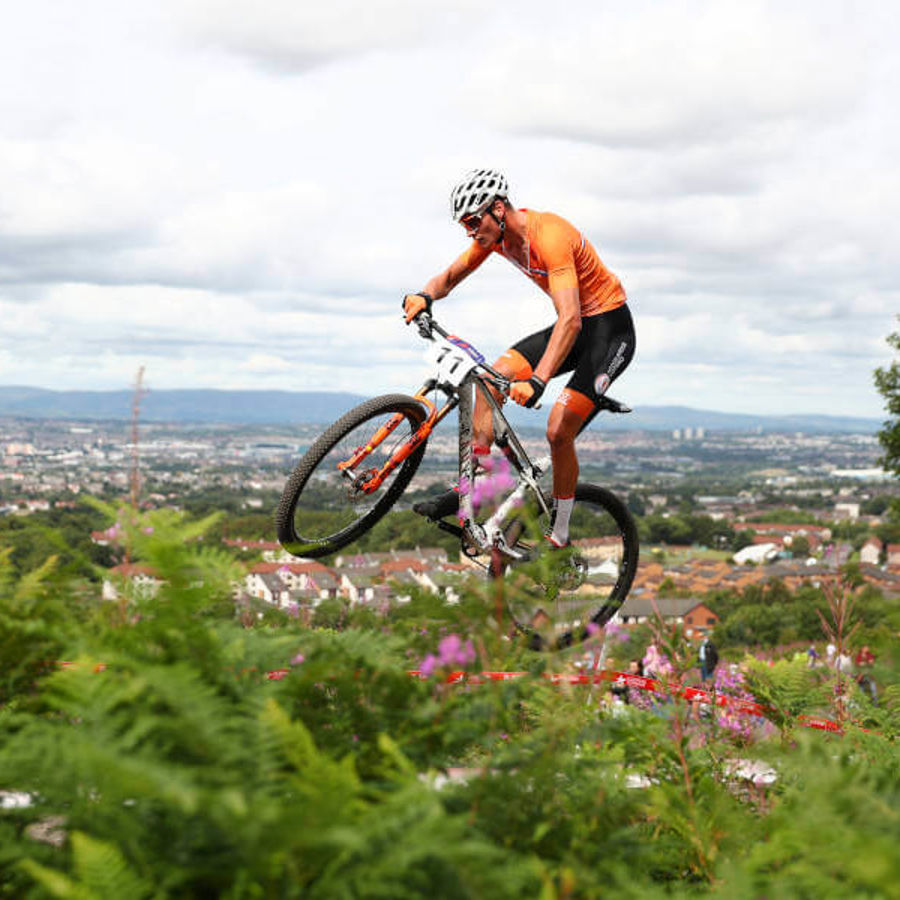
[(424, 323), (503, 384)]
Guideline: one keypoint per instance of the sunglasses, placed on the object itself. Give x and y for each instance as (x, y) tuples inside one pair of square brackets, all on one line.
[(472, 222)]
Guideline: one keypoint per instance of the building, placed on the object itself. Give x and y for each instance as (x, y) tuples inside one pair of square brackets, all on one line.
[(870, 552), (846, 511), (757, 554), (692, 614)]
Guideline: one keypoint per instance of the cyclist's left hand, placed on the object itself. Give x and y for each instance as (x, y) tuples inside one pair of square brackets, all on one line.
[(527, 393)]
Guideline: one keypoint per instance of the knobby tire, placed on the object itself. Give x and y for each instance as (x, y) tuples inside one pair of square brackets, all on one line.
[(558, 602), (315, 466)]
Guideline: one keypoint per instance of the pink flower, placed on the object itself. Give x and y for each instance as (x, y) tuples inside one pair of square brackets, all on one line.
[(298, 659), (428, 665), (488, 490), (452, 652)]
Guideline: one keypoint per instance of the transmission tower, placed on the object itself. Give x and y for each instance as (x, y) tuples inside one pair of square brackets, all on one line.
[(135, 473)]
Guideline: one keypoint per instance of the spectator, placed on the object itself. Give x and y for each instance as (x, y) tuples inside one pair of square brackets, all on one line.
[(812, 657), (655, 663), (865, 659), (843, 663), (709, 659)]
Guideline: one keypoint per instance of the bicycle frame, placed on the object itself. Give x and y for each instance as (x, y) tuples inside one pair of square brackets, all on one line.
[(462, 371)]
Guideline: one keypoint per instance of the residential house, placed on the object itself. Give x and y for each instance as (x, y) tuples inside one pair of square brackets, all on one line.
[(846, 511), (815, 535), (269, 587), (692, 614), (357, 583), (870, 552), (272, 581)]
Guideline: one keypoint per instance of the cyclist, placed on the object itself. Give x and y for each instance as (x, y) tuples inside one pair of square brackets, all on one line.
[(593, 336)]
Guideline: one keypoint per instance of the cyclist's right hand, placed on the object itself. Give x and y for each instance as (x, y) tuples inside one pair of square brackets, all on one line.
[(413, 304)]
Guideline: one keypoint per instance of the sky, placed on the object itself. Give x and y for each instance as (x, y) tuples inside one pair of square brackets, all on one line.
[(237, 195)]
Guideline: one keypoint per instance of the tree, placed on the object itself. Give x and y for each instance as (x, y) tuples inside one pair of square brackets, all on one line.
[(635, 504), (887, 380)]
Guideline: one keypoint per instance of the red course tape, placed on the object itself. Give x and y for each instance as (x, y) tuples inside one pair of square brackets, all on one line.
[(619, 679)]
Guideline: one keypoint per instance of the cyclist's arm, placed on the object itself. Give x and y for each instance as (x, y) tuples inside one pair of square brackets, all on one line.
[(565, 332), (466, 263)]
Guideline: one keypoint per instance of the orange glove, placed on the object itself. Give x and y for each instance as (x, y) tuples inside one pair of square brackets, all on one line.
[(527, 393), (413, 304)]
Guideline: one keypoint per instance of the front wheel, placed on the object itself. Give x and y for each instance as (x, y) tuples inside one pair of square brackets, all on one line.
[(560, 597), (327, 502)]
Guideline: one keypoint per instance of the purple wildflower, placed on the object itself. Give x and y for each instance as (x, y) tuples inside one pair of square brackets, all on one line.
[(428, 665), (452, 652)]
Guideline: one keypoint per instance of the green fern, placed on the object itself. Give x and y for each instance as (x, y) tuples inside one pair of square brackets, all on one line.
[(787, 689), (101, 873)]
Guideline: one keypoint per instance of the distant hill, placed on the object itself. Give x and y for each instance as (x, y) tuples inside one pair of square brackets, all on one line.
[(300, 407)]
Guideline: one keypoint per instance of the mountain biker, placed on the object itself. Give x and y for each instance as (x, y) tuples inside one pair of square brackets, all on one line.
[(593, 336)]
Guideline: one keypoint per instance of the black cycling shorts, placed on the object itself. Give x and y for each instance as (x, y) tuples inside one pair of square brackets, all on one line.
[(600, 354)]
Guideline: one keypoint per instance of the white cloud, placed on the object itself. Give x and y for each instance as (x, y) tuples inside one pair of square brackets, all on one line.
[(670, 76), (293, 37), (237, 194)]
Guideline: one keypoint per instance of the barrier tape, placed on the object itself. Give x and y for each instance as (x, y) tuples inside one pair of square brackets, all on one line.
[(618, 679), (643, 683)]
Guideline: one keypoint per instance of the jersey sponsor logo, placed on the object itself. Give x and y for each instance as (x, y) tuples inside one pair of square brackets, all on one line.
[(576, 402), (618, 360), (602, 383)]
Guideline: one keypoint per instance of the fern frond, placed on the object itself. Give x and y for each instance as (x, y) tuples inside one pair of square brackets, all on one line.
[(101, 873)]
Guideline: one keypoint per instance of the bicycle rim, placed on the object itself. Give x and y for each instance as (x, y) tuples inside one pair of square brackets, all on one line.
[(324, 506), (561, 597)]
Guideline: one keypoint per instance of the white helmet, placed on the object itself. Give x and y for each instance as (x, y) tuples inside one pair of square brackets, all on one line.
[(479, 188)]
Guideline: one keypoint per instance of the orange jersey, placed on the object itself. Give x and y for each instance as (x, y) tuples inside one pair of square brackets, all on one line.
[(559, 256)]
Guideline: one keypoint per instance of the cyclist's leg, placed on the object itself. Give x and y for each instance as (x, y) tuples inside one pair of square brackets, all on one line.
[(604, 349), (516, 363)]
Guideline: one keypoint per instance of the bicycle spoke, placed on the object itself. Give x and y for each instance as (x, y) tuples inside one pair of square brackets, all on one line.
[(329, 500), (560, 597)]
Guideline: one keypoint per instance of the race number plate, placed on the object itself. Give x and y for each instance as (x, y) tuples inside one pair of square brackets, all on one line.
[(453, 360)]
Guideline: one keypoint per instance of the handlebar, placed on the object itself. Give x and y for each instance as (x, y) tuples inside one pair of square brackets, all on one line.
[(428, 327)]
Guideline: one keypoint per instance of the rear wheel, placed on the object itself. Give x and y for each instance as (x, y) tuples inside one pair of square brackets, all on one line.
[(323, 508), (560, 597)]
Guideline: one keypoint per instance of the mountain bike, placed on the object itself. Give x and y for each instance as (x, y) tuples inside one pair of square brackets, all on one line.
[(358, 469)]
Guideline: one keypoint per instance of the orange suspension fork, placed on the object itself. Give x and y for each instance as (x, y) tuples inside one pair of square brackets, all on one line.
[(376, 439), (406, 449)]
